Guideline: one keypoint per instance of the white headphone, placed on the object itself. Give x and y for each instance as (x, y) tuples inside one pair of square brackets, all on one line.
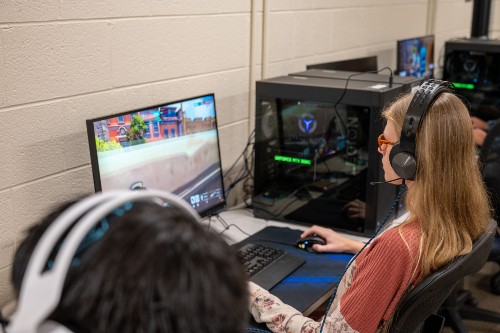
[(41, 290)]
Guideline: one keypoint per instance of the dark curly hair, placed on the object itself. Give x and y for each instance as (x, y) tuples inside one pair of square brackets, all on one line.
[(155, 270)]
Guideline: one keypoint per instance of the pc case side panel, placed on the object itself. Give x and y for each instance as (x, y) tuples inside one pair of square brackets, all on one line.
[(267, 138), (292, 184)]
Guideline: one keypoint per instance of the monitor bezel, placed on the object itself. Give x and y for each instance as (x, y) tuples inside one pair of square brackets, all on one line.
[(94, 159), (398, 53)]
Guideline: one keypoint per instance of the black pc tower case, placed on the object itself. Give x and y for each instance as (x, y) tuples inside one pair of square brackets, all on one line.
[(316, 151), (473, 65)]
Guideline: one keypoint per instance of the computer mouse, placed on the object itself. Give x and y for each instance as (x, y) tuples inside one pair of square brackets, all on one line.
[(308, 242)]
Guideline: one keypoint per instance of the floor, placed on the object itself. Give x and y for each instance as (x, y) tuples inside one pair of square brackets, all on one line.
[(479, 285)]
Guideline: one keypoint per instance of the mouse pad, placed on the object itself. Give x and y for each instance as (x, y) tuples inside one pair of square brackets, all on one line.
[(305, 286)]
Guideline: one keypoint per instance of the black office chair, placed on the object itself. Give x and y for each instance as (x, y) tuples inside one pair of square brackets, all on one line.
[(416, 310), (495, 256), (461, 304), (490, 160)]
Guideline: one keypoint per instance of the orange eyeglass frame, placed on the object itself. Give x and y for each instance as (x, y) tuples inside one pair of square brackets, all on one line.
[(382, 141)]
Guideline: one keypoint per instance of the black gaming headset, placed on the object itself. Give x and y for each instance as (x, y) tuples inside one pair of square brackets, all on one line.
[(403, 154), (41, 290)]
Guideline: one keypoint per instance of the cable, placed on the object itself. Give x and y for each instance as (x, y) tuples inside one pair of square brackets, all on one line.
[(248, 182), (246, 171), (233, 225), (345, 90), (222, 221), (252, 134), (209, 221), (227, 226)]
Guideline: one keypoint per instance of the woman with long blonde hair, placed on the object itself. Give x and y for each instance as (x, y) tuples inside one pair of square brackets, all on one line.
[(447, 209)]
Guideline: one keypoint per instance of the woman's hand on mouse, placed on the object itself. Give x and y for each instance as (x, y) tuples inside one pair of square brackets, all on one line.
[(335, 242)]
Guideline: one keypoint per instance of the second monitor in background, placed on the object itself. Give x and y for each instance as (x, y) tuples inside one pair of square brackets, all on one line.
[(415, 57)]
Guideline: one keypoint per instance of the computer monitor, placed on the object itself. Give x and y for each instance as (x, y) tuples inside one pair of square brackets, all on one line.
[(172, 146), (366, 64), (416, 57)]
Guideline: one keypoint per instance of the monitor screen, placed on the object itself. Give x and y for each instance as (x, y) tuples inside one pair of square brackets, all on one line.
[(416, 57), (172, 147)]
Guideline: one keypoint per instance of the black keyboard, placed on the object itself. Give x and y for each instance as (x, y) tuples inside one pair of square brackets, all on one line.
[(267, 266)]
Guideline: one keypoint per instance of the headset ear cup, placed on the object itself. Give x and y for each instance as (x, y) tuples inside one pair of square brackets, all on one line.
[(403, 163), (394, 151)]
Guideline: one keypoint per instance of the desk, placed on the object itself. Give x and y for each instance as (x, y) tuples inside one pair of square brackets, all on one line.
[(310, 285), (244, 219)]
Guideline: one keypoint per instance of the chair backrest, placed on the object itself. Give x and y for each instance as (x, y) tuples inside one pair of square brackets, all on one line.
[(489, 156), (423, 300)]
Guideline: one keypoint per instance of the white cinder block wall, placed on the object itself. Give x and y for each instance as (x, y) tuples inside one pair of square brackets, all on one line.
[(64, 61)]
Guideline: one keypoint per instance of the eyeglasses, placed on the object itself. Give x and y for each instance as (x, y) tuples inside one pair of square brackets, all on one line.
[(382, 142)]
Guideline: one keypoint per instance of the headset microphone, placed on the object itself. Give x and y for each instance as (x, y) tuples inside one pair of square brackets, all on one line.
[(388, 181)]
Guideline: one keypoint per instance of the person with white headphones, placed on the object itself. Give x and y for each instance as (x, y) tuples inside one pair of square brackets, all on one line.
[(127, 261)]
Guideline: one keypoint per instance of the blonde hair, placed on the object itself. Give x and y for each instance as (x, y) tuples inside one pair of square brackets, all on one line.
[(448, 196)]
